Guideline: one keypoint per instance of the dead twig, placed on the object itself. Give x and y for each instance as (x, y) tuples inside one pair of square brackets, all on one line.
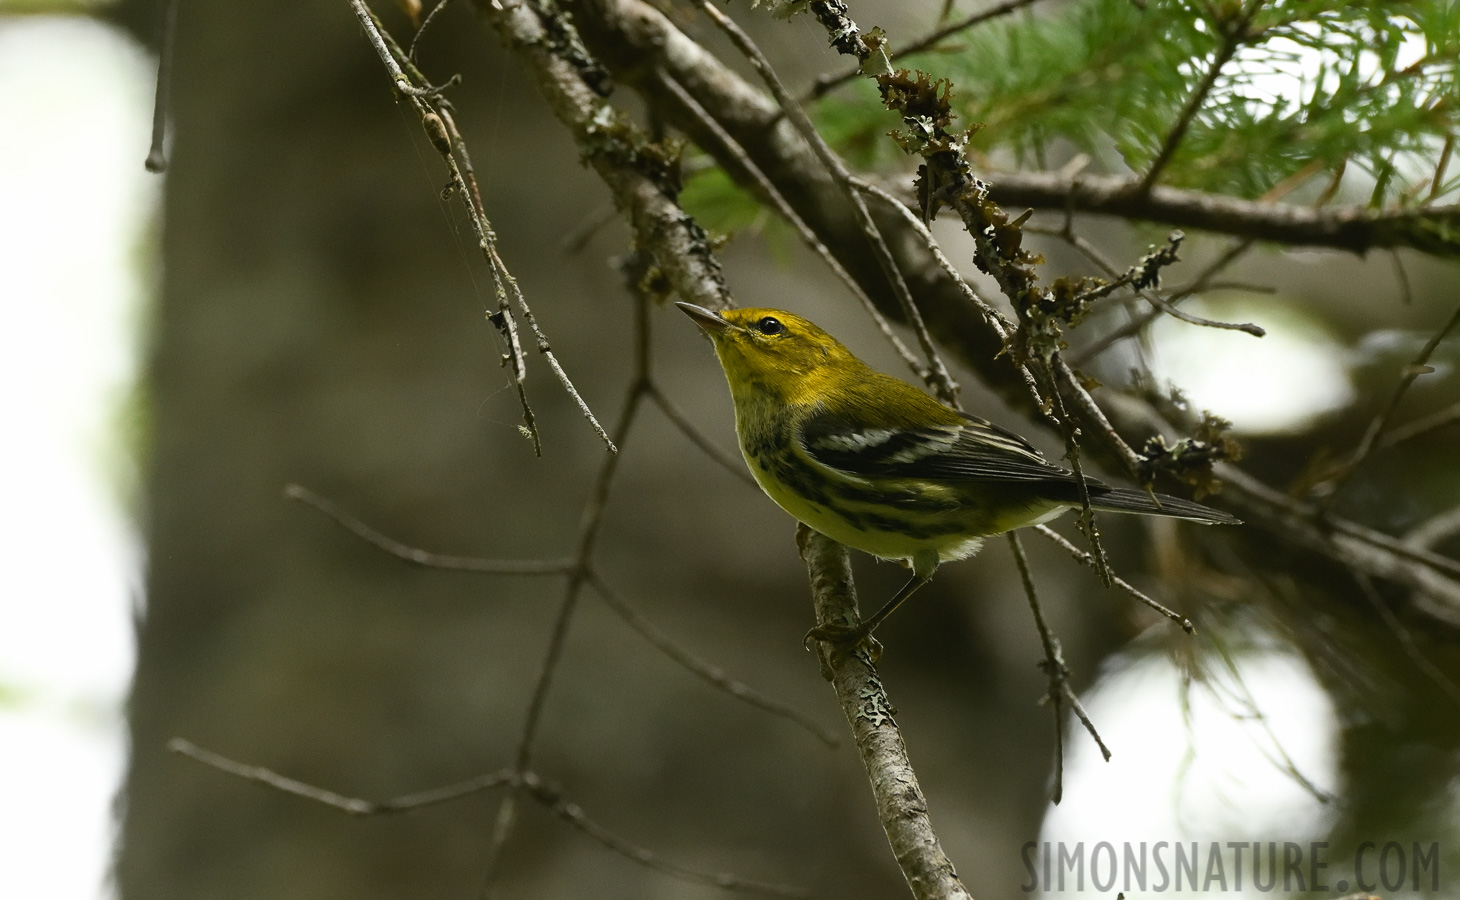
[(425, 557), (1058, 674), (550, 797)]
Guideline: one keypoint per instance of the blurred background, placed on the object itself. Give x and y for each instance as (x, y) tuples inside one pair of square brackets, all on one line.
[(294, 302)]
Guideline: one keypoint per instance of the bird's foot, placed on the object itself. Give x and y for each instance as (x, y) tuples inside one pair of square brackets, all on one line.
[(844, 640)]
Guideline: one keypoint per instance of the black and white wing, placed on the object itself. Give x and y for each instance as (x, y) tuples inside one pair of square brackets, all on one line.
[(973, 450)]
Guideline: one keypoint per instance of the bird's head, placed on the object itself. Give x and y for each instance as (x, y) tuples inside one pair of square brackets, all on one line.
[(772, 350)]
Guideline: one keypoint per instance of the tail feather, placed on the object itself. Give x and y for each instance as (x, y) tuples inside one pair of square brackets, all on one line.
[(1124, 500)]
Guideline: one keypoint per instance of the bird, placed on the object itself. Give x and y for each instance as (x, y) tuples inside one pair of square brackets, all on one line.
[(880, 466)]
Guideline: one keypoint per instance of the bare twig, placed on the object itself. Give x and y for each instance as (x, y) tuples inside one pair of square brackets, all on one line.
[(1086, 519), (352, 805), (712, 674), (901, 806), (1406, 640), (1201, 283), (157, 154), (531, 783), (1056, 671), (938, 377), (588, 530), (826, 83), (1406, 290), (1419, 427), (1418, 367), (571, 813), (425, 24), (504, 277), (579, 237), (686, 427), (441, 128), (1131, 276), (425, 557), (1356, 229), (1085, 558)]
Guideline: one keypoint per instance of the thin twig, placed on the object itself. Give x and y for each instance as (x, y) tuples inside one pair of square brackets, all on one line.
[(773, 196), (441, 127), (687, 428), (712, 674), (502, 276), (1377, 427), (551, 798), (1406, 290), (826, 83), (157, 154), (588, 530), (1421, 426), (1233, 34), (1201, 283), (352, 805), (995, 319), (1056, 671), (1086, 518), (901, 806), (1085, 558), (1406, 640), (1160, 304), (425, 557), (938, 377), (577, 239), (425, 24), (1435, 529), (1437, 184)]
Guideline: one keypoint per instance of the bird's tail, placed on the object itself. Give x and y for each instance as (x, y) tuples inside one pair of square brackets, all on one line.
[(1123, 500)]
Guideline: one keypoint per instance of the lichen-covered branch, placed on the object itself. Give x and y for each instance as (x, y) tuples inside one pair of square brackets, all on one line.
[(639, 173), (901, 806)]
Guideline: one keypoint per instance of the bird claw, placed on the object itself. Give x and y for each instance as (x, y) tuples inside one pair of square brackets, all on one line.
[(844, 640)]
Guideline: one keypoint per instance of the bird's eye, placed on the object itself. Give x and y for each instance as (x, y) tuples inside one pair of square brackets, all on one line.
[(769, 325)]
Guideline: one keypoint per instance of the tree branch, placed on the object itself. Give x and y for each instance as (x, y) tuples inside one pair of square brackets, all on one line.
[(1356, 229), (901, 806)]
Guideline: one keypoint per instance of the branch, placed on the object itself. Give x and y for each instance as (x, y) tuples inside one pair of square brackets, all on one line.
[(1053, 665), (1356, 229), (901, 805), (530, 782), (712, 674), (421, 557), (1233, 34), (352, 805), (1380, 424), (440, 127), (616, 150)]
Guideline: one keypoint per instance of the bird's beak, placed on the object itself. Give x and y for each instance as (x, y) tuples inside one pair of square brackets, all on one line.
[(708, 320)]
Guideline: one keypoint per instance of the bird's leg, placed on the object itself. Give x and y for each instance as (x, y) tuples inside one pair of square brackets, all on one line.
[(846, 637)]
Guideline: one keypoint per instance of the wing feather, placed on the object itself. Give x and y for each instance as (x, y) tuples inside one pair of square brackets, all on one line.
[(973, 450)]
